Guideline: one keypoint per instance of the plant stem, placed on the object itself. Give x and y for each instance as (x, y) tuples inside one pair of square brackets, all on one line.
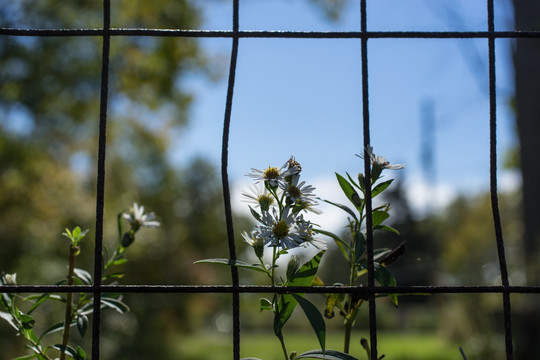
[(347, 338), (284, 347), (73, 251)]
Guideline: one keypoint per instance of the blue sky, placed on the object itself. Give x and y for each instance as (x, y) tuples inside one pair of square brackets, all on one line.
[(302, 97)]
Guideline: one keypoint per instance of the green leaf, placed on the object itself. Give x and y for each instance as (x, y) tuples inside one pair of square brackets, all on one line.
[(342, 245), (84, 275), (352, 182), (349, 191), (378, 217), (229, 262), (265, 304), (7, 316), (27, 357), (327, 355), (114, 304), (81, 353), (82, 324), (344, 208), (385, 278), (286, 303), (386, 228), (379, 188), (359, 245), (27, 321), (52, 329), (69, 351), (315, 319), (255, 214)]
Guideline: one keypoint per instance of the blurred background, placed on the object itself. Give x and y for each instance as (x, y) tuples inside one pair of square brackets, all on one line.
[(429, 110)]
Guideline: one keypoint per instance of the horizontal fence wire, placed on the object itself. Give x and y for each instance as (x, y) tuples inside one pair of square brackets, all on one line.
[(235, 289)]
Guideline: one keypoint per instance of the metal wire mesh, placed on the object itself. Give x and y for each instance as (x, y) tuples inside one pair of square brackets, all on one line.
[(106, 32)]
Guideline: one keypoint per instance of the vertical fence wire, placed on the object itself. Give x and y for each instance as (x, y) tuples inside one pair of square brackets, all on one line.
[(367, 186), (100, 196), (225, 183), (493, 182)]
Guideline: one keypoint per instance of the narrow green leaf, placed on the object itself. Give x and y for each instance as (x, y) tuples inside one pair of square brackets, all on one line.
[(84, 275), (27, 357), (315, 319), (342, 245), (7, 316), (265, 304), (354, 183), (378, 217), (359, 245), (81, 353), (27, 321), (255, 214), (52, 329), (349, 191), (229, 262), (343, 207), (68, 350), (114, 304), (386, 228), (327, 355), (379, 188), (385, 278)]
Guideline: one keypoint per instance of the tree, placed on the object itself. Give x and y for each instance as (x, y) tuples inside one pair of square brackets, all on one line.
[(527, 85)]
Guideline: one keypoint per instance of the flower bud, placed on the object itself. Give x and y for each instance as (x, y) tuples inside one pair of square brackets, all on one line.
[(258, 247), (128, 238), (293, 266)]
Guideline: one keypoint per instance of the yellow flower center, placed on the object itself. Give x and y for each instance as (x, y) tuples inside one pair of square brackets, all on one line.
[(280, 229), (265, 201), (271, 173)]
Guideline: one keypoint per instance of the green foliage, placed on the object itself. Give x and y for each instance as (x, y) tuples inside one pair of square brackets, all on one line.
[(76, 312), (354, 248)]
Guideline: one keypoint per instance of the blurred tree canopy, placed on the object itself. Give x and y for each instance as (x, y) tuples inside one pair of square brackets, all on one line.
[(49, 116)]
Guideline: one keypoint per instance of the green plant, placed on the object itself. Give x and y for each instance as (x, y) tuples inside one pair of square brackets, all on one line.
[(354, 246), (279, 207), (79, 307)]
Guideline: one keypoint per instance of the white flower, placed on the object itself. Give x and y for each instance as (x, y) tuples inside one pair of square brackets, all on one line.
[(9, 279), (288, 231), (299, 193), (380, 161), (273, 175), (138, 218), (260, 196)]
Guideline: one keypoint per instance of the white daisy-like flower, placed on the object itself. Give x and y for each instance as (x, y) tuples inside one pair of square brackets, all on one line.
[(273, 175), (299, 192), (260, 196), (280, 231), (380, 161), (306, 227), (137, 218)]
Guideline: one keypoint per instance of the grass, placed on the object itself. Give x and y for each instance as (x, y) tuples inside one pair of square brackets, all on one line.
[(396, 346)]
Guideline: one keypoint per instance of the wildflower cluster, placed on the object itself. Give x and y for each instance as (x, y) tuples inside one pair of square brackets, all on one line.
[(77, 306), (282, 199)]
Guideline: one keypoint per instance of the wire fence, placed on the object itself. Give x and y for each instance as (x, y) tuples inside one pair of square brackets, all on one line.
[(370, 291)]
